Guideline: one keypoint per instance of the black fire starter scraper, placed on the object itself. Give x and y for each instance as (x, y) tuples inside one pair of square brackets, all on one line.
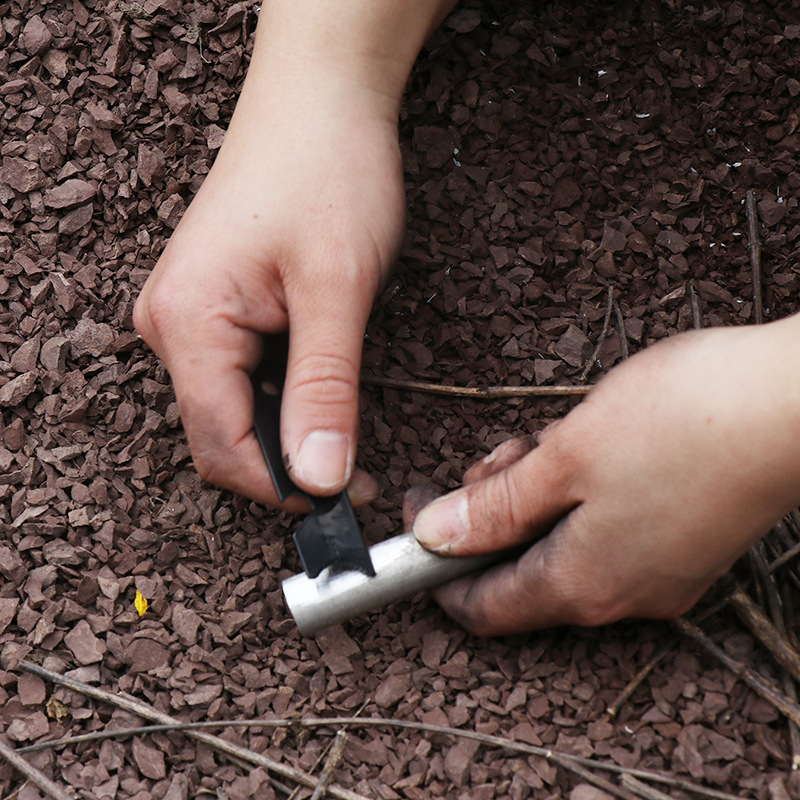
[(343, 577)]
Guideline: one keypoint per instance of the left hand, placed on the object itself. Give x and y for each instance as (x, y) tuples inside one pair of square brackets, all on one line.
[(641, 497)]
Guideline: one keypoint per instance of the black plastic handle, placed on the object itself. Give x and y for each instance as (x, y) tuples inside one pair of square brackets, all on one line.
[(330, 535)]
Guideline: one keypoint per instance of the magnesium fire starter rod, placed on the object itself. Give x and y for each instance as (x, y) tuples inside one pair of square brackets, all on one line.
[(402, 568)]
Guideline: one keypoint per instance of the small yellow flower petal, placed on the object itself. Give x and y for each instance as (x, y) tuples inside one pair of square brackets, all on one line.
[(140, 601)]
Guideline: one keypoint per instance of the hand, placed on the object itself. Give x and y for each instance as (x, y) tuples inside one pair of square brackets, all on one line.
[(295, 227), (641, 497)]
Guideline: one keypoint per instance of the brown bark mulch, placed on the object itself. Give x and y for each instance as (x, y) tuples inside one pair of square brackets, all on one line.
[(577, 175)]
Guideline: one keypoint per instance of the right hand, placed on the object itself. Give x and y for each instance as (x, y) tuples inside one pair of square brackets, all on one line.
[(294, 228), (641, 497)]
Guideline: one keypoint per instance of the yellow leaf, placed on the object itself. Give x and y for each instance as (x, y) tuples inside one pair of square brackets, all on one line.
[(140, 601), (56, 709)]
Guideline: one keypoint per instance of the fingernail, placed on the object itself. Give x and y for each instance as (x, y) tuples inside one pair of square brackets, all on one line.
[(324, 459), (443, 523)]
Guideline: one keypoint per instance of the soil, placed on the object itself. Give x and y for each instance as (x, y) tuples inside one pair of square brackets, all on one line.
[(554, 151)]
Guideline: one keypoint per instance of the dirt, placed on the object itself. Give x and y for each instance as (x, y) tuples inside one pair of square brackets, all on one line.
[(553, 151)]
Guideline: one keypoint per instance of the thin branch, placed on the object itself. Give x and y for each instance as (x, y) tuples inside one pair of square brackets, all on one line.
[(642, 789), (659, 654), (623, 334), (767, 633), (639, 677), (293, 793), (331, 764), (332, 722), (792, 522), (755, 581), (781, 532), (697, 322), (602, 337), (790, 688), (35, 776), (784, 557), (756, 682), (789, 621), (590, 777), (758, 553), (146, 711), (480, 392), (754, 245), (333, 752), (776, 611), (17, 790)]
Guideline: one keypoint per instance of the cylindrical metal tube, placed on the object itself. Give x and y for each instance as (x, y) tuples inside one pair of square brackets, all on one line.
[(402, 566)]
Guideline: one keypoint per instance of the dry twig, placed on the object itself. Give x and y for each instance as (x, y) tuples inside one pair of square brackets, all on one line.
[(479, 392), (333, 753), (754, 245), (332, 722), (331, 764), (35, 776), (659, 654), (141, 709), (623, 334), (602, 337), (759, 555), (697, 322), (590, 777), (785, 557), (637, 679), (767, 633), (789, 616), (642, 789), (756, 682)]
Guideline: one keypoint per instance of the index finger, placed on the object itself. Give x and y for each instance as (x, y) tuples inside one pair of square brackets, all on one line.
[(215, 397)]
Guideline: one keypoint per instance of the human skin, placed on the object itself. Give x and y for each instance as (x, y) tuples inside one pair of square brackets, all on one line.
[(633, 504), (296, 225), (641, 497)]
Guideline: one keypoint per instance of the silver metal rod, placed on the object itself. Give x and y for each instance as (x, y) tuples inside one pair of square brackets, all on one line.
[(402, 566)]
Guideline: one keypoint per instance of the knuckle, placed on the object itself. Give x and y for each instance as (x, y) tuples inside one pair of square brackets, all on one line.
[(332, 378), (154, 309), (508, 500), (558, 444), (206, 455), (598, 611), (677, 607), (547, 433), (564, 441), (214, 465), (211, 444), (503, 456), (349, 275), (491, 505), (205, 466), (467, 608), (141, 319), (592, 603), (577, 595)]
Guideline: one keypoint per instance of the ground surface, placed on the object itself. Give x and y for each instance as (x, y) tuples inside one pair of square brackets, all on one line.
[(553, 150)]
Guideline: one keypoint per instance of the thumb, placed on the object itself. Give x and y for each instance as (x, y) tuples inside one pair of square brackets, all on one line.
[(511, 507), (319, 415)]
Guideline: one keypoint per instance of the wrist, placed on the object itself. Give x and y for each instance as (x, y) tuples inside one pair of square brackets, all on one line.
[(775, 395), (782, 341), (348, 51)]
